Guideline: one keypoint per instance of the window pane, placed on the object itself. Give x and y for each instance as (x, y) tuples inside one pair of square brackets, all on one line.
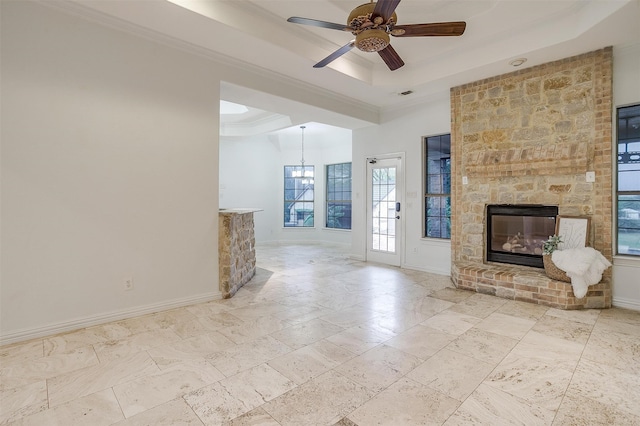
[(629, 180), (338, 207), (437, 186), (629, 224), (298, 196)]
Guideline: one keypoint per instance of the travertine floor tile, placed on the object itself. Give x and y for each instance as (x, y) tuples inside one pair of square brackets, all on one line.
[(98, 409), (619, 350), (361, 338), (147, 392), (421, 341), (310, 361), (37, 369), (452, 294), (532, 380), (302, 334), (587, 316), (451, 322), (242, 357), (23, 401), (135, 343), (479, 305), (79, 383), (523, 310), (490, 406), (451, 373), (506, 325), (323, 400), (608, 385), (378, 368), (550, 350), (88, 336), (574, 331), (237, 395), (174, 413), (257, 310), (351, 316), (252, 330), (400, 320), (577, 410), (428, 306), (20, 352), (405, 403), (257, 417), (483, 345), (191, 349)]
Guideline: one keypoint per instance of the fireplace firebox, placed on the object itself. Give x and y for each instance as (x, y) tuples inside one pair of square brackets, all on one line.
[(516, 233)]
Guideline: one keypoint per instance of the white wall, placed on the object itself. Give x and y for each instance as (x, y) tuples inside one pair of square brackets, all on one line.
[(261, 160), (109, 170), (626, 91), (402, 132), (248, 178)]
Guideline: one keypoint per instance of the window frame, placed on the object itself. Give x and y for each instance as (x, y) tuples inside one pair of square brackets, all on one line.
[(329, 201), (446, 196), (308, 220), (624, 193)]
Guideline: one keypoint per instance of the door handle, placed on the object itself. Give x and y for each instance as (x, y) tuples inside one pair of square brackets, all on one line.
[(397, 206), (398, 217)]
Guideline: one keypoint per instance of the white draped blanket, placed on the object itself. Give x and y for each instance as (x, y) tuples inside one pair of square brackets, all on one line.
[(583, 265)]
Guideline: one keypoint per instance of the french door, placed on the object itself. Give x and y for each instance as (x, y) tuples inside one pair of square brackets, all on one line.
[(384, 210)]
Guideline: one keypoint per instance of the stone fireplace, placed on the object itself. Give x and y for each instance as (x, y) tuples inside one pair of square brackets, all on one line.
[(528, 138)]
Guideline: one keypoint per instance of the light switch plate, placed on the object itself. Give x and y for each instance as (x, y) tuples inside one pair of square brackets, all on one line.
[(465, 180), (590, 177)]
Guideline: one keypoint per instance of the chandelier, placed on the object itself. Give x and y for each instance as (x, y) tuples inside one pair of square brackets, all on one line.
[(306, 175)]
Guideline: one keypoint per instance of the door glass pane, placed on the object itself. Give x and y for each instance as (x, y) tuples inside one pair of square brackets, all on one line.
[(383, 209)]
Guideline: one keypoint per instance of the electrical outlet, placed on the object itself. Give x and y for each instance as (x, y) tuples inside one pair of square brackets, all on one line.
[(128, 284), (465, 180)]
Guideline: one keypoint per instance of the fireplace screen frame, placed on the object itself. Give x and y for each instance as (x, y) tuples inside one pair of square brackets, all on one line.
[(524, 259)]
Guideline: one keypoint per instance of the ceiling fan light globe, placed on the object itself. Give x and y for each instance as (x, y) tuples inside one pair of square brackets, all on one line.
[(372, 40)]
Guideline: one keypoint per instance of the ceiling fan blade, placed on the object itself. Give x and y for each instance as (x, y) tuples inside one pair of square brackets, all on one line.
[(335, 55), (321, 24), (434, 29), (391, 58), (385, 8)]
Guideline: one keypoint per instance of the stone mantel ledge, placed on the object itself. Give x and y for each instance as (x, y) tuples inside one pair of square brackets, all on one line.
[(238, 210)]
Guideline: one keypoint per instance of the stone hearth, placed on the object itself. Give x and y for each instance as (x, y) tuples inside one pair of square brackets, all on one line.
[(528, 137)]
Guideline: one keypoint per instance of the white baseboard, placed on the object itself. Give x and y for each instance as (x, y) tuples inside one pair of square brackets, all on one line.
[(626, 303), (79, 323), (445, 272)]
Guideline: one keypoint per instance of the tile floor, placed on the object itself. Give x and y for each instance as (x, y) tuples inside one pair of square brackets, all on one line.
[(318, 339)]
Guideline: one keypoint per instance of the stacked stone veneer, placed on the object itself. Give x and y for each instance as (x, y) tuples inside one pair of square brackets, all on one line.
[(528, 137), (236, 248)]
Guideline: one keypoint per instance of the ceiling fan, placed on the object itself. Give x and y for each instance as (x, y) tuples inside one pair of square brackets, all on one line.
[(372, 23)]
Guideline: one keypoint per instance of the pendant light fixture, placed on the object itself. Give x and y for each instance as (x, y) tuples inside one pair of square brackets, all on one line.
[(306, 175)]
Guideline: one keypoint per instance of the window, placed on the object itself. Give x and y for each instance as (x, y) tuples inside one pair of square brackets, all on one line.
[(437, 194), (339, 196), (629, 180), (298, 196)]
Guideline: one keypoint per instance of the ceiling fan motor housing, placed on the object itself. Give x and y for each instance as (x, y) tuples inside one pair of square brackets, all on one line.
[(372, 40), (371, 36)]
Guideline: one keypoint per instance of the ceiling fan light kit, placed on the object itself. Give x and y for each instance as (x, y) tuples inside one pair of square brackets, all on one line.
[(372, 23)]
